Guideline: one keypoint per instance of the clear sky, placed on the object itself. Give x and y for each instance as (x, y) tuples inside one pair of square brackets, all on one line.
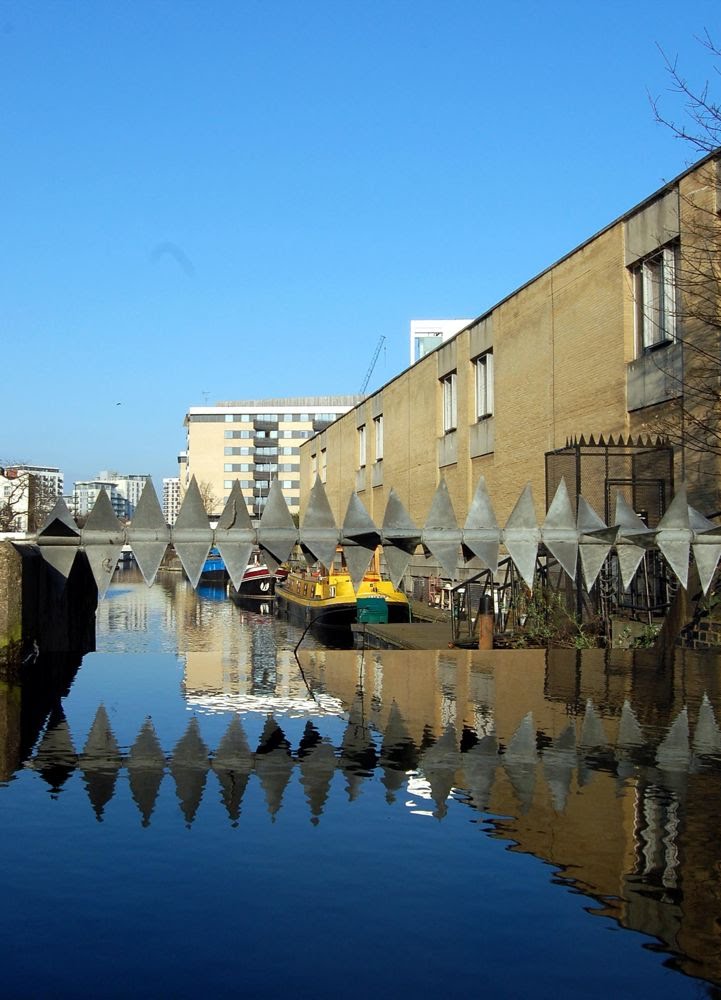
[(227, 199)]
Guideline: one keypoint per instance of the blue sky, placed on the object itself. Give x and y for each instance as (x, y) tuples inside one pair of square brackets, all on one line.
[(205, 201)]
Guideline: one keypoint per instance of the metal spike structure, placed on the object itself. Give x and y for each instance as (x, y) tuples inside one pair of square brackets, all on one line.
[(192, 536), (587, 540), (235, 535)]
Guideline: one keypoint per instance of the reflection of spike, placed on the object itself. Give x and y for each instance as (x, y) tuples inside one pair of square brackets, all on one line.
[(674, 753), (707, 736), (358, 755), (56, 758), (273, 765), (146, 766), (439, 765), (592, 731), (479, 766), (630, 734), (100, 762), (520, 762), (189, 767), (317, 767), (559, 762), (398, 755), (232, 765)]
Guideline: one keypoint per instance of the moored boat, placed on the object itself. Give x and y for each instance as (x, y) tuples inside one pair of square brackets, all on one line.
[(258, 583), (214, 570), (326, 599)]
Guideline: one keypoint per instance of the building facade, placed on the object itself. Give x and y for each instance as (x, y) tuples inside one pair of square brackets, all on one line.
[(610, 341), (171, 498), (428, 334), (27, 495), (254, 442)]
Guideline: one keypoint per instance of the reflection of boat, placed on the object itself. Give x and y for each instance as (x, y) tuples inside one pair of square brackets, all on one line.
[(258, 583), (214, 570), (326, 598)]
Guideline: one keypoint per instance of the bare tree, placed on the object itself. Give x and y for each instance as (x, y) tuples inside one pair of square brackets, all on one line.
[(693, 422), (210, 501)]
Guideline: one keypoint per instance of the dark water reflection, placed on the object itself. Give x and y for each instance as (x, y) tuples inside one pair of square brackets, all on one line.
[(197, 811)]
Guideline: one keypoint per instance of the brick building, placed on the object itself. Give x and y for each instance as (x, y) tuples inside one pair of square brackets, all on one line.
[(605, 342)]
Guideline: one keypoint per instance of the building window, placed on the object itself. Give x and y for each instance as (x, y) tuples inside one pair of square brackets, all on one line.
[(450, 402), (361, 446), (323, 464), (484, 385), (313, 466), (378, 429), (654, 281)]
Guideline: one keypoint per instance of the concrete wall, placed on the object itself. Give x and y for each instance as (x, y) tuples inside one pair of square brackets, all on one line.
[(41, 612)]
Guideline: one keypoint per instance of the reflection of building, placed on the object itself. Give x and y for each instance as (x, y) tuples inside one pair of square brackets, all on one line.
[(254, 442)]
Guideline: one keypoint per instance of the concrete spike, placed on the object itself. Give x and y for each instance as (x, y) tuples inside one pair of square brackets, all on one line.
[(482, 534), (277, 533), (397, 562), (357, 559), (358, 527), (103, 538), (191, 533), (319, 534), (59, 523), (673, 536), (628, 551), (595, 541), (148, 533), (521, 536), (707, 557), (59, 539), (441, 535), (398, 530), (559, 533), (235, 535)]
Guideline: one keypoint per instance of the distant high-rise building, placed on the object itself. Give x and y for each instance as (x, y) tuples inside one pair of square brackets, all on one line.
[(428, 334), (123, 492), (28, 493), (253, 441), (171, 498), (129, 487)]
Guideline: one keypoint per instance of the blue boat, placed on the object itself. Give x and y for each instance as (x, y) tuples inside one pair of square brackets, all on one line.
[(214, 569)]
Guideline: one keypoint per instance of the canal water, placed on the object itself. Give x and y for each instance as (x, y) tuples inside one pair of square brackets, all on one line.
[(201, 810)]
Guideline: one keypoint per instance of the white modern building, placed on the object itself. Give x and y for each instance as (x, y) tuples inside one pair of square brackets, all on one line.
[(253, 441), (427, 334), (171, 498), (28, 493)]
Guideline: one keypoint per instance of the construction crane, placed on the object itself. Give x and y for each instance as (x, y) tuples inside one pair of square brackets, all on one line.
[(372, 365)]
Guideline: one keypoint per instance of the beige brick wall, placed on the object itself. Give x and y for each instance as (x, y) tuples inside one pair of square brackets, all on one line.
[(561, 347)]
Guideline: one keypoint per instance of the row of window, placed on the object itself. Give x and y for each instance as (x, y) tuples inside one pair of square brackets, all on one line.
[(271, 418), (249, 450), (249, 484), (270, 435), (483, 377)]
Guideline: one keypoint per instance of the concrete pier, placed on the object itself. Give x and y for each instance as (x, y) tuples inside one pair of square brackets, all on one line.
[(42, 612)]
